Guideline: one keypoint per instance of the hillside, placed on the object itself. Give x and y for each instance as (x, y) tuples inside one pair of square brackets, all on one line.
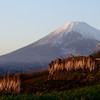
[(86, 93), (38, 82)]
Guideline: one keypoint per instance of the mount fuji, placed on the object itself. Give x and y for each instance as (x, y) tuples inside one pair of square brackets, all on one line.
[(73, 36)]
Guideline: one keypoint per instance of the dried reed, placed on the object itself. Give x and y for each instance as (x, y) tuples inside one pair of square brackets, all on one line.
[(10, 84)]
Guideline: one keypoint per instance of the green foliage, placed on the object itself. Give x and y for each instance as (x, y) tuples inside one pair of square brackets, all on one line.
[(87, 93)]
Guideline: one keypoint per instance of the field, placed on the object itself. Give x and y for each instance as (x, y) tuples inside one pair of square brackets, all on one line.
[(65, 85), (86, 93), (38, 82), (36, 86)]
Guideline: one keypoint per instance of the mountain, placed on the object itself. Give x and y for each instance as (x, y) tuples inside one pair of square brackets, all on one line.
[(73, 36)]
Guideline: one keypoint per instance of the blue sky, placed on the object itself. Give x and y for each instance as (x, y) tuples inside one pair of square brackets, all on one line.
[(24, 21)]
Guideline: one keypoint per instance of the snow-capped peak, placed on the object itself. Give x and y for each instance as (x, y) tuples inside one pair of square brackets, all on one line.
[(80, 27)]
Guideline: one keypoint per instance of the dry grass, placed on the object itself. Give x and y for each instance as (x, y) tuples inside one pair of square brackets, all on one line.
[(10, 84)]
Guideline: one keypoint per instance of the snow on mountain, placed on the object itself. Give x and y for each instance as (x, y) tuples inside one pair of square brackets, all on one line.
[(77, 36), (80, 27)]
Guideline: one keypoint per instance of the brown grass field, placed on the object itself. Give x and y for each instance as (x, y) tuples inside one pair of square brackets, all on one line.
[(40, 81)]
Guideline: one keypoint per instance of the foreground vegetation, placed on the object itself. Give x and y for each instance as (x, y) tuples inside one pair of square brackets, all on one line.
[(96, 54), (36, 86), (38, 82), (80, 84), (87, 93)]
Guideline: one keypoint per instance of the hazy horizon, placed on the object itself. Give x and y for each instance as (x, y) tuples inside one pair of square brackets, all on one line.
[(24, 22)]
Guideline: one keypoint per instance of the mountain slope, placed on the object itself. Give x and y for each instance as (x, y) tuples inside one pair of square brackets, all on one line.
[(77, 36)]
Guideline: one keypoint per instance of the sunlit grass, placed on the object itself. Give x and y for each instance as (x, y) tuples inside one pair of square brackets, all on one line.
[(10, 84)]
